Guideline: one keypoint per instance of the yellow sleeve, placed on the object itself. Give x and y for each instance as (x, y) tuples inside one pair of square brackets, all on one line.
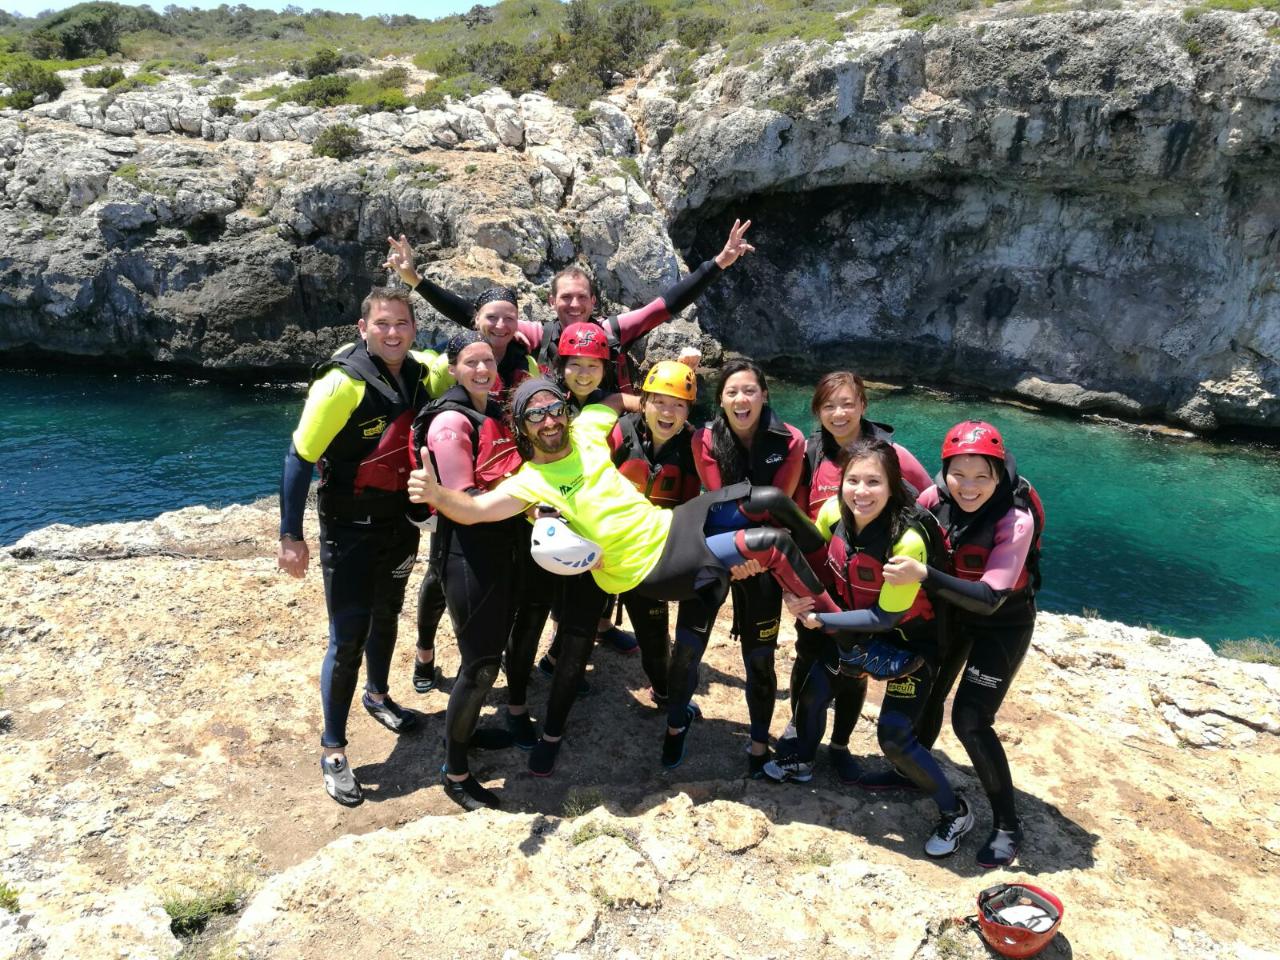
[(428, 360), (330, 402), (439, 379), (828, 517), (899, 599)]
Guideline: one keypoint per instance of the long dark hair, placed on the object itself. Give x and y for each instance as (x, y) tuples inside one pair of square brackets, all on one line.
[(901, 503), (729, 452)]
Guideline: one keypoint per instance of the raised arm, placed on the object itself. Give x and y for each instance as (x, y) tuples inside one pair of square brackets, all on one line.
[(400, 259), (630, 326)]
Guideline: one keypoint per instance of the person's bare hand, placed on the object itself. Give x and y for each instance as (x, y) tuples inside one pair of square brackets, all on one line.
[(735, 246), (903, 570), (293, 557), (400, 259), (423, 486)]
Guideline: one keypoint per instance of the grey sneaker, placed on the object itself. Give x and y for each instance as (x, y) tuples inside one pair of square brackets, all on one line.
[(946, 836), (340, 782), (789, 768)]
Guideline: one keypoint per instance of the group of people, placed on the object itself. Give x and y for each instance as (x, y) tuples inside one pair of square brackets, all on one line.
[(888, 575)]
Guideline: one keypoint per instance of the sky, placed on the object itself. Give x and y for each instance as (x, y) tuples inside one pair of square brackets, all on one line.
[(426, 9)]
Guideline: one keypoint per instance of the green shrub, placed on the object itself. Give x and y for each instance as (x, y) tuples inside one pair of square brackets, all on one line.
[(698, 31), (386, 101), (631, 168), (101, 79), (321, 92), (430, 98), (322, 63), (222, 106), (29, 80), (576, 86), (393, 78), (340, 141), (8, 898), (136, 82)]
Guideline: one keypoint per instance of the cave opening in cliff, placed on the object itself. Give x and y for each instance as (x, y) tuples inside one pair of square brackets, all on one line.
[(972, 281)]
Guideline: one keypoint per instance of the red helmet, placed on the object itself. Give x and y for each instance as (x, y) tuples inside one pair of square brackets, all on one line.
[(584, 340), (973, 436), (1017, 919)]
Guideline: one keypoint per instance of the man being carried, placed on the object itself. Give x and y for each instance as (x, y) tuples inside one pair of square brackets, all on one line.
[(661, 553)]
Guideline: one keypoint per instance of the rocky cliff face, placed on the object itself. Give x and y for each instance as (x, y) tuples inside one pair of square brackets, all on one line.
[(1078, 208), (159, 739)]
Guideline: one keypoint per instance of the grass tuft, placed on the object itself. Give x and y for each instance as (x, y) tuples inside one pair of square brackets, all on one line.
[(579, 802), (8, 898), (1252, 650), (190, 914)]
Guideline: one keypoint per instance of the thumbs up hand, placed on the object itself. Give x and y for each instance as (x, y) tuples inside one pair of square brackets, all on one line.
[(423, 486)]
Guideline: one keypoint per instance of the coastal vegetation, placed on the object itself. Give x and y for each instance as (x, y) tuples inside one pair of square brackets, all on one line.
[(572, 51)]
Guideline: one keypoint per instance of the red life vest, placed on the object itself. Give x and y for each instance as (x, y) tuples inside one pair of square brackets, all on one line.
[(855, 571), (667, 481), (821, 478), (366, 466), (494, 452), (968, 559)]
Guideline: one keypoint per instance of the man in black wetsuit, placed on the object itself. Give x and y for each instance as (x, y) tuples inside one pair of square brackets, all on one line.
[(356, 426)]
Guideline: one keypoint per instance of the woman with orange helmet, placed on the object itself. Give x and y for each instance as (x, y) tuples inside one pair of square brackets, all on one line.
[(992, 519)]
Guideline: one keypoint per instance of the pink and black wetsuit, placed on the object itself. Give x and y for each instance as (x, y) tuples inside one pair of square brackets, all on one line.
[(991, 590)]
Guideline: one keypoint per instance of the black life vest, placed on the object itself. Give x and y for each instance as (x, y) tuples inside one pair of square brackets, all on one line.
[(855, 564), (513, 368), (493, 450), (822, 472), (621, 374), (365, 468), (968, 558), (769, 449), (664, 479)]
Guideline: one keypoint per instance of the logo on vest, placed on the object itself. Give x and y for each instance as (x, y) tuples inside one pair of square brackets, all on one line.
[(570, 488), (373, 428), (773, 458)]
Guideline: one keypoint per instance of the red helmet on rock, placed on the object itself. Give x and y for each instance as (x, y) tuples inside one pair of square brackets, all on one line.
[(584, 340), (1018, 920), (973, 436)]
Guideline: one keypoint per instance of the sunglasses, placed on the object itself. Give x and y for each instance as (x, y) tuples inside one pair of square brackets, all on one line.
[(538, 414)]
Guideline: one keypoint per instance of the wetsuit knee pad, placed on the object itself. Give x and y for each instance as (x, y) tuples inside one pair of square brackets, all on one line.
[(482, 673), (895, 735), (968, 719), (771, 505), (775, 550)]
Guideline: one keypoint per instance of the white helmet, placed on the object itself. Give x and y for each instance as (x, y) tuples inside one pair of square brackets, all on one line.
[(558, 549)]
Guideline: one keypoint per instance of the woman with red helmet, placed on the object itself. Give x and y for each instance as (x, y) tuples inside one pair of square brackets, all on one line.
[(991, 518)]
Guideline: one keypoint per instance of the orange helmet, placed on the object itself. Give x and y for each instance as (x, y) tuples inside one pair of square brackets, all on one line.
[(584, 340), (673, 379), (973, 436)]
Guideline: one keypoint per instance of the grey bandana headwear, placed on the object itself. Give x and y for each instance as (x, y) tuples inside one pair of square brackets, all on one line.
[(494, 294), (459, 342), (526, 391)]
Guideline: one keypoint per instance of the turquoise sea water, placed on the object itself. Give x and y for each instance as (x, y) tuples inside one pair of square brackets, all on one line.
[(1184, 536)]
